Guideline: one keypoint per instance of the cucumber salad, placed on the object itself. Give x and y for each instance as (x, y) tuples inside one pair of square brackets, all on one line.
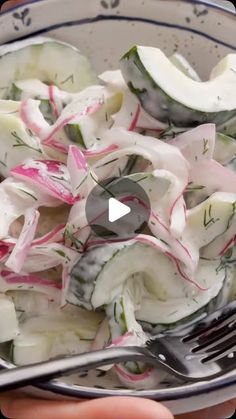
[(64, 129)]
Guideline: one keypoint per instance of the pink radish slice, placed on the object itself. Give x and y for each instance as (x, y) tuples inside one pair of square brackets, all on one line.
[(78, 158), (52, 99), (78, 170), (228, 245), (174, 243), (162, 157), (147, 122), (12, 278), (178, 216), (154, 242), (56, 145), (56, 235), (53, 254), (63, 121), (213, 175), (90, 153), (89, 110), (58, 126), (100, 151), (51, 176), (146, 378), (196, 144), (122, 340), (128, 376), (4, 250), (134, 122), (12, 281), (182, 253), (102, 336), (20, 251), (159, 229), (32, 117)]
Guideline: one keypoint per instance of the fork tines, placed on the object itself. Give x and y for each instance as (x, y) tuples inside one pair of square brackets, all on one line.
[(215, 324), (216, 337)]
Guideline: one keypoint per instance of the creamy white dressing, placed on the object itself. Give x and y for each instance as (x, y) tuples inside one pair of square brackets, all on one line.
[(35, 89), (173, 309), (183, 262), (159, 272), (16, 142)]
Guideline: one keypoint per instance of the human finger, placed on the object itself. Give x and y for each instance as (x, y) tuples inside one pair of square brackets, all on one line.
[(11, 3), (104, 408)]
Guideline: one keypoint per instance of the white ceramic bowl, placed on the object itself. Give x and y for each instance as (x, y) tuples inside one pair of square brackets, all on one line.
[(104, 30)]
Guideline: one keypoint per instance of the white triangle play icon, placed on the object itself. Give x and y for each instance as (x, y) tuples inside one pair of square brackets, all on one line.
[(117, 210)]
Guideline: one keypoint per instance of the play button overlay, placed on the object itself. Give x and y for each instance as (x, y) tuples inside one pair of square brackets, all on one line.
[(118, 208)]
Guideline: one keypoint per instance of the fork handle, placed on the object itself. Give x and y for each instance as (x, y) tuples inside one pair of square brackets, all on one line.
[(34, 374)]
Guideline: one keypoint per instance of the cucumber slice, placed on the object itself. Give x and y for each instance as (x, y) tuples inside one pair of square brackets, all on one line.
[(9, 107), (56, 322), (176, 309), (21, 90), (92, 108), (15, 93), (69, 343), (169, 95), (17, 143), (121, 312), (47, 59), (146, 260), (33, 348), (229, 128), (121, 317), (222, 298), (232, 164), (225, 148), (25, 89), (30, 348), (101, 274), (85, 272), (211, 219), (159, 301), (183, 65), (31, 303), (8, 319)]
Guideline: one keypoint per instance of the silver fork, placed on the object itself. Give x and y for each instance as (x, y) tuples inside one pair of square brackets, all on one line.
[(206, 352)]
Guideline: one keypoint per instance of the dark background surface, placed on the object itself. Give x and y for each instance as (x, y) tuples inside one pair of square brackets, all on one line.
[(1, 2)]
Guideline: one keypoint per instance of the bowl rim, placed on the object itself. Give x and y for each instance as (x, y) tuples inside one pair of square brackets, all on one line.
[(170, 394), (202, 2), (104, 17)]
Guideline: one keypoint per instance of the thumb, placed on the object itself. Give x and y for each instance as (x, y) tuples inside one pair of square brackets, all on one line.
[(105, 408), (11, 3)]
